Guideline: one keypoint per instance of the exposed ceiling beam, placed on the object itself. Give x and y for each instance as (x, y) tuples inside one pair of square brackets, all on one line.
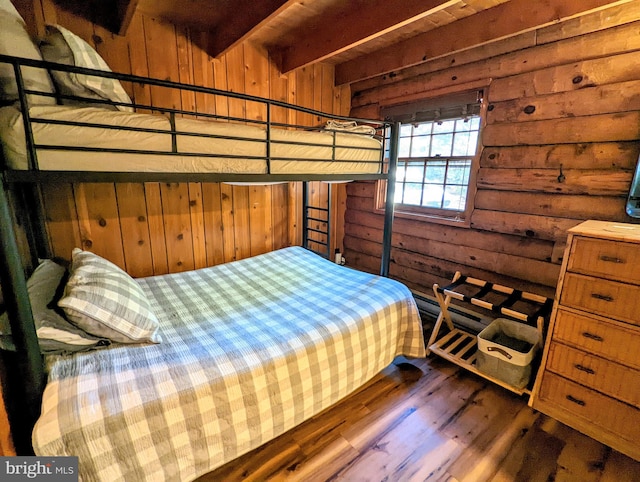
[(114, 15), (505, 20), (124, 11), (226, 22), (239, 20), (355, 22)]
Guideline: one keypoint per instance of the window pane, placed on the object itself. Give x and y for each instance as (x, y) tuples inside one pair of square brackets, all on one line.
[(435, 172), (422, 129), (412, 193), (461, 143), (441, 145), (397, 198), (443, 126), (463, 125), (458, 172), (405, 130), (475, 123), (404, 147), (432, 196), (400, 170), (465, 143), (420, 146), (473, 143), (455, 197), (415, 171)]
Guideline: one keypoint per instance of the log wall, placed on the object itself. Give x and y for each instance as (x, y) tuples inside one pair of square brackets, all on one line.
[(568, 157), (155, 228)]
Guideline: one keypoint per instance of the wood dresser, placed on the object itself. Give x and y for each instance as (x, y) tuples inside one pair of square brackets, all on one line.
[(589, 378)]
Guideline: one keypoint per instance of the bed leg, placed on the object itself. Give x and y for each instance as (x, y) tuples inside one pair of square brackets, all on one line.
[(305, 215), (385, 260), (35, 224), (28, 361)]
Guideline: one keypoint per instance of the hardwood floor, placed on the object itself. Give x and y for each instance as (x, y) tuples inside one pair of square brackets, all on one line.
[(427, 420)]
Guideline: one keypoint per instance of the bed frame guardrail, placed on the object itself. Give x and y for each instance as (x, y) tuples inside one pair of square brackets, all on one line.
[(268, 109)]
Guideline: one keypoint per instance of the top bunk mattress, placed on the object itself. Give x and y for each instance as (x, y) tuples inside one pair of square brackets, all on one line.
[(200, 145)]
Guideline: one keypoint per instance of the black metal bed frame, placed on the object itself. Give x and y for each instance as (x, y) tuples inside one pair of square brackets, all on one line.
[(27, 362)]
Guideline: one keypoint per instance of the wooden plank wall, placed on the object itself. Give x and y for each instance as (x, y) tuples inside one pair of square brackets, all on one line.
[(563, 100), (155, 228)]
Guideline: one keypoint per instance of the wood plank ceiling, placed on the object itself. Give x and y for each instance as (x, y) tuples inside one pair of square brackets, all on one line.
[(362, 38)]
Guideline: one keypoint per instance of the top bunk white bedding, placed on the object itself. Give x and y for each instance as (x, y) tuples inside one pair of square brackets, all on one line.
[(359, 154), (250, 349)]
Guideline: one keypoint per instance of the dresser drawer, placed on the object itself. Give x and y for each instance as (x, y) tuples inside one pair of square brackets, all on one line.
[(613, 341), (609, 259), (602, 375), (603, 297), (591, 407)]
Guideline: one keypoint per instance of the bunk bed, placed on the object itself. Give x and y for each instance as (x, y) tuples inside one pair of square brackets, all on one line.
[(239, 353)]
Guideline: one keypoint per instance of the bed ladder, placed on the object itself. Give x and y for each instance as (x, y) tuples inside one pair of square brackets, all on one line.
[(316, 224)]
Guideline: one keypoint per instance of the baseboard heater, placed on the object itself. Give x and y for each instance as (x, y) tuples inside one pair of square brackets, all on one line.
[(462, 317)]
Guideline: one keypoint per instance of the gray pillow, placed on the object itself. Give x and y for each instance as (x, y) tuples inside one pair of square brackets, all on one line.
[(55, 334), (103, 300), (64, 47), (16, 41)]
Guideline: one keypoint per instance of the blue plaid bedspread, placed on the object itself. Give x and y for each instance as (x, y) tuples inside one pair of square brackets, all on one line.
[(250, 349)]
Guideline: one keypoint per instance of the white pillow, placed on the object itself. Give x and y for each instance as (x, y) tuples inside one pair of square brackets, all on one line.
[(103, 300), (15, 41), (64, 47)]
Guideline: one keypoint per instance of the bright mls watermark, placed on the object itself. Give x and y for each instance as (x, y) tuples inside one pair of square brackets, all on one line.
[(52, 469)]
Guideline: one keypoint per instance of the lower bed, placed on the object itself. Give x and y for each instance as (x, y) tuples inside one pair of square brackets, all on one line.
[(250, 349)]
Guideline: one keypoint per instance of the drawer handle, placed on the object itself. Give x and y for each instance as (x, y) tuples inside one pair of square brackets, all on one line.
[(505, 354), (577, 401), (598, 296), (582, 368), (611, 259), (591, 336)]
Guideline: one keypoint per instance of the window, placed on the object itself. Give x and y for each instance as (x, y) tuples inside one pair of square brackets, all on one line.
[(434, 163), (437, 156)]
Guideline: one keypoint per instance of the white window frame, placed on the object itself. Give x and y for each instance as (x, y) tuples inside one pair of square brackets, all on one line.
[(440, 215)]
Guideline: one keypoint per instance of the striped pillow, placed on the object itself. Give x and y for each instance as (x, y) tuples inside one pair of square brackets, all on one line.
[(62, 46), (103, 300)]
